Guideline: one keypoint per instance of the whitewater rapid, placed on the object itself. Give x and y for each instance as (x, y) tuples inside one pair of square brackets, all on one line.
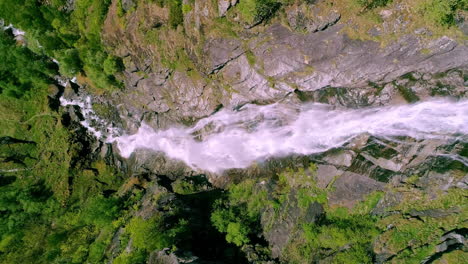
[(238, 138)]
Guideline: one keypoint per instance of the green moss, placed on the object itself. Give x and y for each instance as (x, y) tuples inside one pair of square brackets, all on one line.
[(425, 51), (408, 94), (250, 57), (453, 198), (186, 8)]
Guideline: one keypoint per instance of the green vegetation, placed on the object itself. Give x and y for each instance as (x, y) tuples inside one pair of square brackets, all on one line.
[(52, 197), (176, 15), (255, 11), (339, 235), (73, 38), (153, 233), (21, 68), (442, 12), (239, 214), (369, 4)]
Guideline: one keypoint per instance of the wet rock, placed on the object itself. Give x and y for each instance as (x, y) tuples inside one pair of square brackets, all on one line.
[(385, 13), (389, 200), (342, 158), (351, 64), (221, 51), (359, 142), (326, 174), (435, 213), (351, 187), (384, 163), (144, 161), (279, 230), (463, 183), (166, 257), (436, 181)]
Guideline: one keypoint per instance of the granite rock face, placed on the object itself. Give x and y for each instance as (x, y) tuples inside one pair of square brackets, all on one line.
[(279, 64)]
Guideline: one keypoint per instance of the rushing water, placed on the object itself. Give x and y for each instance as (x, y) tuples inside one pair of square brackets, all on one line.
[(95, 125), (236, 139)]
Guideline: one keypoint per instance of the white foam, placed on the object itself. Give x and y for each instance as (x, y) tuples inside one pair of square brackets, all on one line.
[(92, 122), (236, 139)]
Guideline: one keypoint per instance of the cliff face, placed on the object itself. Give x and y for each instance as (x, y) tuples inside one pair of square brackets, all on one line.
[(181, 75), (215, 58)]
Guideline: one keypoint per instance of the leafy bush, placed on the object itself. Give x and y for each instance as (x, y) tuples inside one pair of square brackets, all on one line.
[(176, 15), (238, 215), (255, 11), (442, 12), (73, 38), (154, 233), (135, 257), (112, 65), (369, 4), (70, 63), (101, 211), (21, 68)]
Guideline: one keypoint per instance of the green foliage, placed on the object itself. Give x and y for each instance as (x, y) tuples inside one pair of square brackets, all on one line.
[(369, 4), (70, 63), (239, 214), (21, 68), (154, 233), (186, 8), (237, 233), (73, 38), (255, 11), (348, 235), (53, 210), (250, 57), (191, 185), (135, 257), (442, 12), (176, 15), (101, 211), (112, 65)]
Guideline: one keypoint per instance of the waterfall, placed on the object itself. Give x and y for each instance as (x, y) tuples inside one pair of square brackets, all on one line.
[(238, 138)]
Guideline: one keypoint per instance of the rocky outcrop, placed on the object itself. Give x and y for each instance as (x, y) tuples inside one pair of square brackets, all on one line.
[(324, 66), (280, 231), (224, 5), (350, 188)]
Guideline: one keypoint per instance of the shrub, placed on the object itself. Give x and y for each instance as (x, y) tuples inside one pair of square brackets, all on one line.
[(101, 211), (176, 15), (237, 234), (112, 65), (149, 234), (370, 4), (155, 233), (70, 62), (255, 11), (442, 12)]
